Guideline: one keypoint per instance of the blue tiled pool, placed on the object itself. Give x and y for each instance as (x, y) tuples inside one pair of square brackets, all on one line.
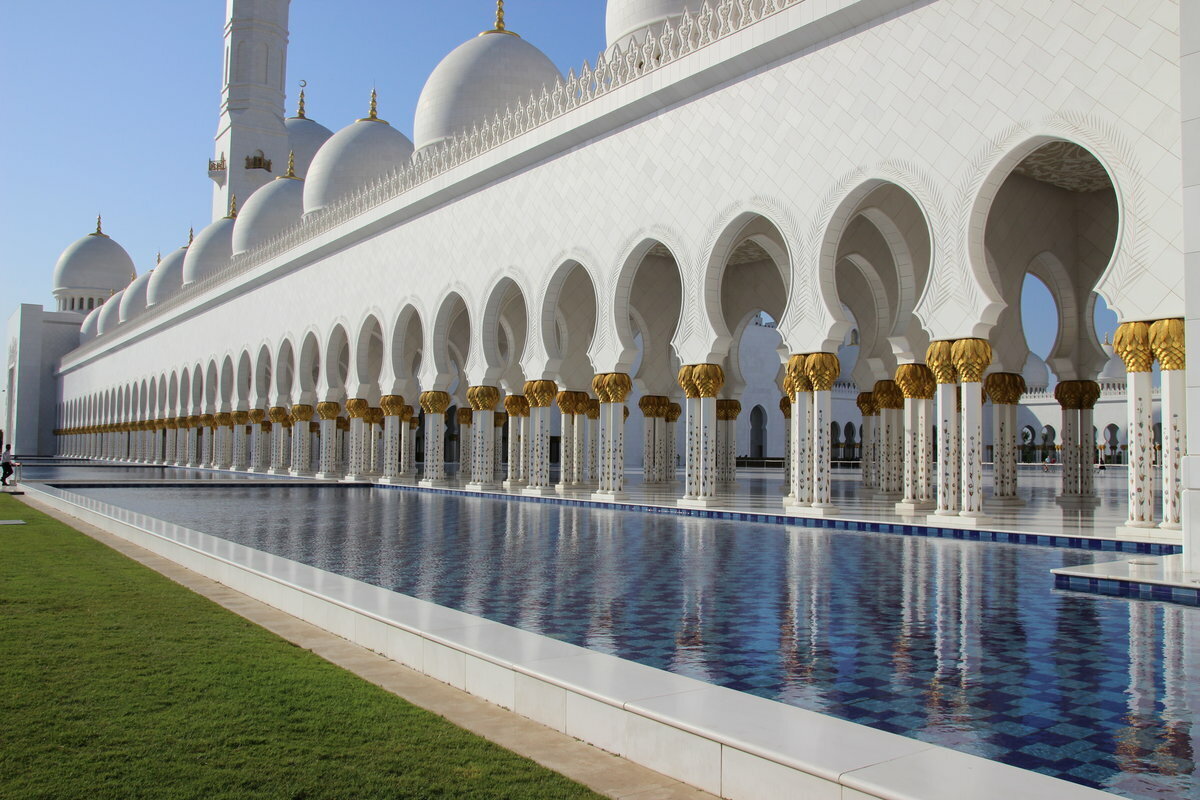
[(959, 643)]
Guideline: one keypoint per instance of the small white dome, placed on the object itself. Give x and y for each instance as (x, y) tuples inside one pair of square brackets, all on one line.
[(166, 278), (1114, 368), (351, 158), (269, 212), (626, 18), (133, 301), (480, 77), (305, 138), (88, 330), (1036, 373), (94, 263), (210, 252), (110, 314)]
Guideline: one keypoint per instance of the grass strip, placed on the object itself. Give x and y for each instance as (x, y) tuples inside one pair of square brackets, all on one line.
[(119, 683)]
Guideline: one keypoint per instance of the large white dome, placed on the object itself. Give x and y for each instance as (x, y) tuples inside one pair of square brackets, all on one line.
[(305, 138), (269, 212), (1036, 373), (352, 158), (626, 18), (88, 330), (133, 301), (167, 277), (110, 314), (94, 264), (210, 252), (479, 78)]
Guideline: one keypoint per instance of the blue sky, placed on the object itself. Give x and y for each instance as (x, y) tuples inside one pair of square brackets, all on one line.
[(115, 112)]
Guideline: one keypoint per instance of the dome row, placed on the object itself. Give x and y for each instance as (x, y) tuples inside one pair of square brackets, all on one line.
[(480, 78)]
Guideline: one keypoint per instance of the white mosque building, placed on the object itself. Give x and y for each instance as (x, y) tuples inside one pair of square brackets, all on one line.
[(781, 229)]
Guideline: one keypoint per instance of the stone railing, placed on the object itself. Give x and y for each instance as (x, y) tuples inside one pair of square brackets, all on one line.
[(615, 67)]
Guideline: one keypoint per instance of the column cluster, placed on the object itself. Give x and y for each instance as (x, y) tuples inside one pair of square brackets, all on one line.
[(611, 389), (1139, 344), (1004, 389)]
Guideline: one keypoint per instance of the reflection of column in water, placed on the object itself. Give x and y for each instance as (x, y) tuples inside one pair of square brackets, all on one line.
[(607, 584), (970, 598), (1131, 739), (698, 574), (537, 582), (427, 575), (945, 630), (480, 522)]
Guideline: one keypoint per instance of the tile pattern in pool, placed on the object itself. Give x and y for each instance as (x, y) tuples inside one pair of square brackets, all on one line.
[(959, 643)]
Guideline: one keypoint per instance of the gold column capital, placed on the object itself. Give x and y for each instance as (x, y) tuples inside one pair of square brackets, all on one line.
[(709, 379), (1132, 343), (391, 404), (593, 409), (939, 359), (540, 393), (434, 402), (1089, 393), (1004, 388), (866, 404), (685, 381), (357, 407), (971, 357), (241, 417), (483, 398), (257, 415), (674, 410), (302, 412), (516, 405), (463, 415), (822, 370), (1068, 394), (916, 381), (785, 405), (618, 385), (888, 395), (1166, 342)]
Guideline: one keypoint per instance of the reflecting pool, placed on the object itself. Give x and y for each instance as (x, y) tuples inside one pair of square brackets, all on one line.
[(958, 643)]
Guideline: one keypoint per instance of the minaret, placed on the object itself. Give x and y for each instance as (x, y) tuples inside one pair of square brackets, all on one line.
[(251, 143)]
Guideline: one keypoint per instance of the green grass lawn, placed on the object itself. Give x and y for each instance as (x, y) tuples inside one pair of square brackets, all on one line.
[(116, 682)]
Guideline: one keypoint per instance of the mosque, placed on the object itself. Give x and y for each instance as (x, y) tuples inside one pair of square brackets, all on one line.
[(750, 229)]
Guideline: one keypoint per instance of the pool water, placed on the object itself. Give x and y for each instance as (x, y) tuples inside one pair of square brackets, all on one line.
[(958, 643)]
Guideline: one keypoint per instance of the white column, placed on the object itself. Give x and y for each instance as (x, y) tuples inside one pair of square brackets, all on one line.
[(948, 453), (1174, 441), (691, 455), (206, 445), (1141, 450), (466, 446), (801, 493), (822, 491), (785, 406), (539, 450), (515, 446), (579, 423), (240, 459), (435, 463)]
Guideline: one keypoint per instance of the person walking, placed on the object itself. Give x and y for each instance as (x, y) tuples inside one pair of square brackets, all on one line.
[(6, 465)]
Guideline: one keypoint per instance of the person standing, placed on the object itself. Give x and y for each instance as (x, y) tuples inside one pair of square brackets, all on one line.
[(6, 465)]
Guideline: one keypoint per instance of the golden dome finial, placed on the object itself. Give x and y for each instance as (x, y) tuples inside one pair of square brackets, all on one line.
[(300, 106), (232, 207), (191, 235), (291, 170), (373, 111), (158, 258), (500, 27), (98, 231)]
